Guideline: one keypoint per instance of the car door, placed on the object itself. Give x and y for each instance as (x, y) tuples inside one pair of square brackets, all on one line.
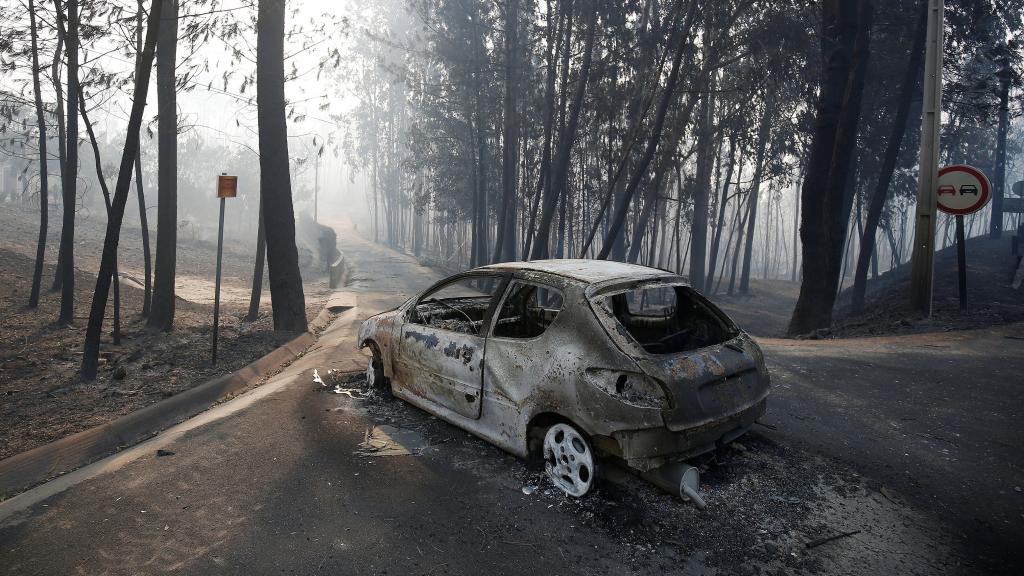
[(519, 354), (441, 350)]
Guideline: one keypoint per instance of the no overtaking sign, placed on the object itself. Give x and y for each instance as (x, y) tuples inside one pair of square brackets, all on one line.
[(962, 190)]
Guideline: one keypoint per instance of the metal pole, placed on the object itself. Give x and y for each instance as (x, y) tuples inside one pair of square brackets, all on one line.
[(316, 190), (922, 258), (216, 297), (961, 259)]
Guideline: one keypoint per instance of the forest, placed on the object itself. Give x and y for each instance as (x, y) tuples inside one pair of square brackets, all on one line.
[(726, 141)]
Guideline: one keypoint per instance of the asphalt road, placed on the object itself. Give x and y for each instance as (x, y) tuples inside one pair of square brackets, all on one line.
[(935, 417), (277, 482)]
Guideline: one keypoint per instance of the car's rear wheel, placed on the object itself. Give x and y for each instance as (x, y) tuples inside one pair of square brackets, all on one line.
[(375, 379), (569, 460)]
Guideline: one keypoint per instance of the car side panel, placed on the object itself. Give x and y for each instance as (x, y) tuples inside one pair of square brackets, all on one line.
[(527, 377)]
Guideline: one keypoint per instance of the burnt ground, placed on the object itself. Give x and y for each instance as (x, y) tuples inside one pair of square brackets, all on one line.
[(991, 299), (770, 506), (766, 310), (41, 396)]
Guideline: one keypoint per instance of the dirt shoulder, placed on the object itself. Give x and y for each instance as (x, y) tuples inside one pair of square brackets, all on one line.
[(41, 397)]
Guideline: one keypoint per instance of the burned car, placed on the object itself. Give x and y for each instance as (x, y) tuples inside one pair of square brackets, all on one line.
[(568, 360)]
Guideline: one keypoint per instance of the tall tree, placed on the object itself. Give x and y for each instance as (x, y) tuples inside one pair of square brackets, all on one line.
[(705, 160), (505, 244), (257, 270), (876, 203), (566, 140), (275, 179), (763, 133), (147, 257), (61, 137), (44, 193), (108, 261), (161, 315), (845, 43), (1004, 74), (680, 42), (70, 173)]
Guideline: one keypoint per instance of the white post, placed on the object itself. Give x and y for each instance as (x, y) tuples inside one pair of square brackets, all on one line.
[(923, 255)]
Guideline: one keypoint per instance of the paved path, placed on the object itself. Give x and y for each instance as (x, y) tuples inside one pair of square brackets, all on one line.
[(276, 482)]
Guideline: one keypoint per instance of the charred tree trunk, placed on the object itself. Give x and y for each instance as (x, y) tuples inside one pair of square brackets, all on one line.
[(567, 138), (702, 191), (723, 202), (162, 308), (275, 179), (147, 256), (845, 46), (44, 192), (61, 136), (621, 209), (106, 201), (90, 356), (70, 173), (892, 152), (1005, 75), (505, 243), (257, 272), (763, 132)]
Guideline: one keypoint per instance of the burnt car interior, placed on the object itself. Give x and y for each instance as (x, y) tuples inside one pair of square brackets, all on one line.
[(527, 311), (458, 306), (669, 319)]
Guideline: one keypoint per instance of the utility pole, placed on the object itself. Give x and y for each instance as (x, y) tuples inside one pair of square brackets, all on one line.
[(996, 222), (316, 190), (923, 256)]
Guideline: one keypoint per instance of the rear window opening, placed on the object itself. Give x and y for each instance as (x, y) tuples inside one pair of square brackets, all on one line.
[(669, 319)]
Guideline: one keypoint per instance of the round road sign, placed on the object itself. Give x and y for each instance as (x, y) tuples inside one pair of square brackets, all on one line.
[(962, 190)]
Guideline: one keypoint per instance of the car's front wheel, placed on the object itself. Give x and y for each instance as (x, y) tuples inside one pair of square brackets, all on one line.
[(375, 379), (569, 460)]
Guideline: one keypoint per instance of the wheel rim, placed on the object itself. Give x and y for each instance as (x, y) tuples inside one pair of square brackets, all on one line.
[(568, 460)]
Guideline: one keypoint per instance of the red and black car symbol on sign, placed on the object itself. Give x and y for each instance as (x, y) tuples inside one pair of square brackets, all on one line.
[(968, 189)]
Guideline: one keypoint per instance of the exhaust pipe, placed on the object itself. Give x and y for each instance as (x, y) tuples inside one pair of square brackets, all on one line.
[(679, 479)]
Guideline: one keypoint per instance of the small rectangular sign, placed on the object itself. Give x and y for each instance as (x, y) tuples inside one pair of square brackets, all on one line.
[(1018, 188), (1013, 205), (227, 186)]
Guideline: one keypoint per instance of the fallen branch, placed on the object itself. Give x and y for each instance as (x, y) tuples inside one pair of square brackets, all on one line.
[(820, 541)]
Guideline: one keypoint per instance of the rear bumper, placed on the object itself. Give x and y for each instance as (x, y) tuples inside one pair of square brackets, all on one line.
[(653, 447)]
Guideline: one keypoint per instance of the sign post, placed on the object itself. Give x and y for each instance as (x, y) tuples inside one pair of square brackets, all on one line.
[(227, 187), (962, 190)]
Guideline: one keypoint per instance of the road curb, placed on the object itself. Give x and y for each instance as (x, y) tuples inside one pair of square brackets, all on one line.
[(23, 471)]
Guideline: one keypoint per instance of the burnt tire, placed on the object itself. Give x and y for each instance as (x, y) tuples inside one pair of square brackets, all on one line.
[(375, 378)]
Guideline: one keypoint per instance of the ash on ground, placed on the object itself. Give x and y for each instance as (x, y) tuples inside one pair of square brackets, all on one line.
[(769, 505)]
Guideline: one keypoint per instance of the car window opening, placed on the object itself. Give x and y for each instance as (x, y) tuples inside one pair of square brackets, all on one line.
[(668, 319), (458, 306), (527, 311)]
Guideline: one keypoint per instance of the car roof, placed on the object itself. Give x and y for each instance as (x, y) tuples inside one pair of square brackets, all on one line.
[(586, 271)]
